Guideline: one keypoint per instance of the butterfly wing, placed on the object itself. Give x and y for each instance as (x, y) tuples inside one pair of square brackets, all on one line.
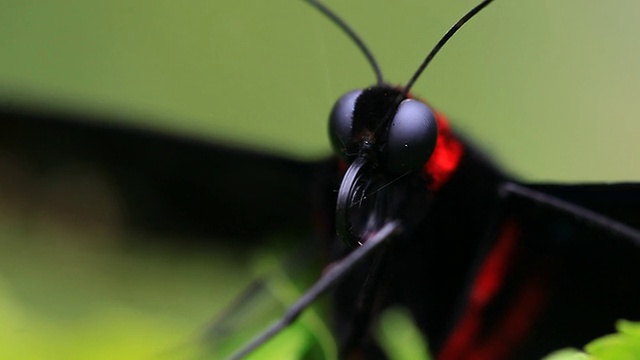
[(192, 207), (167, 182), (550, 279)]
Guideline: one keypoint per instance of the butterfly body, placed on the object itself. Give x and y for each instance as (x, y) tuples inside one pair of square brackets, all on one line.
[(486, 275)]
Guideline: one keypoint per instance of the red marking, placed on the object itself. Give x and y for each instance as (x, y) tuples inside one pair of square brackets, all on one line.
[(465, 341), (516, 322), (492, 273), (446, 156)]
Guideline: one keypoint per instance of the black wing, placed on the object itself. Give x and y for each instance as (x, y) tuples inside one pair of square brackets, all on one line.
[(165, 186), (167, 183), (594, 273), (620, 201), (551, 279)]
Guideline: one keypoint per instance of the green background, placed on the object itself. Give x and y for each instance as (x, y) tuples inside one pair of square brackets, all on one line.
[(548, 88)]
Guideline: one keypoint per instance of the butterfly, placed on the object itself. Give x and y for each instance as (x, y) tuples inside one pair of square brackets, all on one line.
[(236, 161)]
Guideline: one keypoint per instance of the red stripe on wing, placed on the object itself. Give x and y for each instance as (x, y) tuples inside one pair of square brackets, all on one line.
[(466, 340)]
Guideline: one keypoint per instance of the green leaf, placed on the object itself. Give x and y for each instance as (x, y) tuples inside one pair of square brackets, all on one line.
[(625, 344), (399, 336)]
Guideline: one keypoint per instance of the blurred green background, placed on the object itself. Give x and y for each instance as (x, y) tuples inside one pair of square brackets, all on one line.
[(549, 88)]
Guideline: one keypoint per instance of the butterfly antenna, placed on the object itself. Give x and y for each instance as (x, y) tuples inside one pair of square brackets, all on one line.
[(440, 44), (352, 34), (589, 217)]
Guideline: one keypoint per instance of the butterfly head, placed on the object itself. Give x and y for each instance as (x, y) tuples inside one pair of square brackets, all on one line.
[(384, 137)]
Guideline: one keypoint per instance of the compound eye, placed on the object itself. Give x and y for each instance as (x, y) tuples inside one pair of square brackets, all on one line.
[(341, 122), (411, 137)]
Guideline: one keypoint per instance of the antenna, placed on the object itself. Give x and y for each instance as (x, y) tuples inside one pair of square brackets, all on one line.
[(440, 44), (352, 34)]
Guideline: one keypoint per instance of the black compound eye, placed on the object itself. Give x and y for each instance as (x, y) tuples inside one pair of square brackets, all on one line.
[(341, 122), (411, 138)]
